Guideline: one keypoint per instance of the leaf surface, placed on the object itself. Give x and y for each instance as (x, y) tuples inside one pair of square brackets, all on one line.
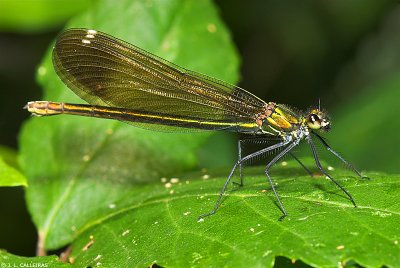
[(323, 229), (10, 260), (9, 176)]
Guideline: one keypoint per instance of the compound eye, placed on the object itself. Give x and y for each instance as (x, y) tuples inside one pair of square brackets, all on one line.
[(314, 122), (325, 125), (314, 118)]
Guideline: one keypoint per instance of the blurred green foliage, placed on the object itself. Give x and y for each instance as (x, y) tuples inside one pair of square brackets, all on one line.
[(296, 52), (9, 176), (9, 155), (30, 16)]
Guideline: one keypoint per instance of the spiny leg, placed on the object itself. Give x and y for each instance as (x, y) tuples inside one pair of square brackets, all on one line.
[(241, 143), (314, 152), (269, 165), (240, 160), (348, 164), (255, 140), (247, 157)]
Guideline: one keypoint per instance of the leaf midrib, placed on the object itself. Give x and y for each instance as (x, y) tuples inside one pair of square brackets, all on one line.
[(59, 203)]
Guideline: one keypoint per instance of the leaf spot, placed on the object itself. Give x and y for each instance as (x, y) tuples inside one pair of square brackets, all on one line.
[(196, 257), (319, 245), (260, 232), (205, 177), (211, 27), (89, 244), (174, 180), (268, 252), (126, 232), (42, 70)]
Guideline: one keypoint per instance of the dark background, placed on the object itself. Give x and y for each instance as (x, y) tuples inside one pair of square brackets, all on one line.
[(293, 52)]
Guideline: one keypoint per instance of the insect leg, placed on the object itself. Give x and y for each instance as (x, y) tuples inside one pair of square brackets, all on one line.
[(314, 152), (348, 164), (247, 157), (241, 144), (269, 165), (240, 160), (252, 140)]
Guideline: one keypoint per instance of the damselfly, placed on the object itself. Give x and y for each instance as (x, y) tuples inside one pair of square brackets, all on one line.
[(121, 81)]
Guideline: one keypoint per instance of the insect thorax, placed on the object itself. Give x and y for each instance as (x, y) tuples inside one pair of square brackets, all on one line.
[(277, 119)]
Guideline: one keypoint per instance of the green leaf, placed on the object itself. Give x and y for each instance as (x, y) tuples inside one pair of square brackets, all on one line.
[(159, 224), (78, 166), (10, 260), (9, 156), (9, 176), (32, 16)]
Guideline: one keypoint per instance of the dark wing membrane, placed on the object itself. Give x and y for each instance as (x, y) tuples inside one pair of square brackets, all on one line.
[(107, 71)]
